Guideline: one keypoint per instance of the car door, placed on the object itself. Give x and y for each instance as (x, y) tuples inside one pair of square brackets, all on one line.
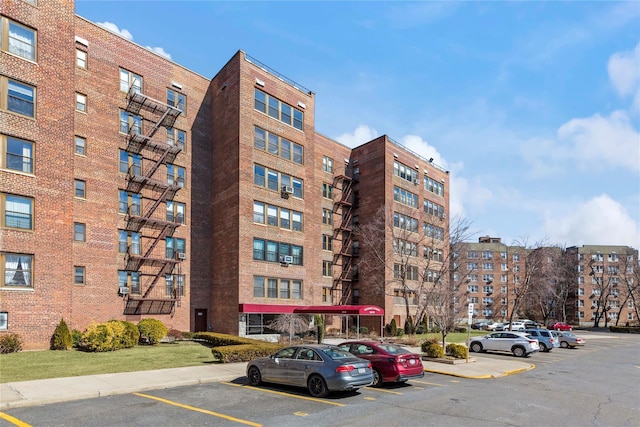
[(276, 369), (507, 341), (493, 341), (301, 365)]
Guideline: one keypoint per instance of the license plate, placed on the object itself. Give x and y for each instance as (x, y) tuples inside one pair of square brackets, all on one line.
[(362, 370), (412, 361)]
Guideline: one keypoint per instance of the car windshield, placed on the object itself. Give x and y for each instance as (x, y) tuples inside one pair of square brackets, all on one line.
[(393, 349), (335, 353)]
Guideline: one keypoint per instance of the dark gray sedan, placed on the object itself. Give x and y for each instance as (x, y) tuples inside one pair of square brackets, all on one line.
[(321, 368)]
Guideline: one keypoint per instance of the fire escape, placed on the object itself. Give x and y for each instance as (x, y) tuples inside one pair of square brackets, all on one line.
[(148, 218), (342, 289)]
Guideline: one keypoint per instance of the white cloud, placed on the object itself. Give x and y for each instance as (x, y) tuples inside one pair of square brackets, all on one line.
[(114, 28), (362, 134), (624, 73), (600, 220), (160, 51), (423, 148)]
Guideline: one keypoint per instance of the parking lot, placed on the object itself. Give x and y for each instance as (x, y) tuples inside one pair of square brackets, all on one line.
[(594, 385)]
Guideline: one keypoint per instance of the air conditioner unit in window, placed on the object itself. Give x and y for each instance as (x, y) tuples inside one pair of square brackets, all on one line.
[(415, 182), (287, 190), (286, 259), (123, 290), (181, 255)]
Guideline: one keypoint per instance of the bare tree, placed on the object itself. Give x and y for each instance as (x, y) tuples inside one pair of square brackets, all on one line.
[(551, 285), (400, 251), (603, 290), (627, 282), (290, 323)]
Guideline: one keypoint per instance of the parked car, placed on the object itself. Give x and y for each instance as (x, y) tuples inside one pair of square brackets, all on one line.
[(514, 326), (530, 324), (560, 326), (479, 325), (546, 340), (321, 368), (569, 340), (518, 343), (493, 326), (391, 363)]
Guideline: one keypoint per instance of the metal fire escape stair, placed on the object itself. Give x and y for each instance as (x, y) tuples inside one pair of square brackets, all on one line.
[(152, 262), (342, 288)]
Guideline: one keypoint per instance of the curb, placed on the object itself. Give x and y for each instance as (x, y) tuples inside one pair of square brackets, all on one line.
[(517, 371)]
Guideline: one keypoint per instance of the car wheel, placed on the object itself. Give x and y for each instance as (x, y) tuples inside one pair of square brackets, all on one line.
[(518, 352), (317, 387), (254, 376), (476, 347), (564, 344), (543, 347), (377, 378)]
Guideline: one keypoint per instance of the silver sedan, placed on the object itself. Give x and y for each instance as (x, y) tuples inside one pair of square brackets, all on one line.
[(320, 368)]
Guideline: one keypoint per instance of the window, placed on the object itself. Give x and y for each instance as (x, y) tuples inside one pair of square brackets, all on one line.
[(327, 190), (277, 145), (18, 269), (129, 279), (81, 146), (405, 172), (327, 268), (174, 285), (327, 242), (277, 109), (81, 102), (277, 288), (81, 59), (4, 320), (175, 175), (487, 278), (405, 197), (327, 216), (274, 180), (174, 245), (80, 188), (405, 222), (326, 295), (175, 212), (78, 275), (17, 211), (130, 162), (17, 154), (516, 257), (129, 203), (18, 39), (487, 289), (176, 137), (267, 250), (130, 80), (129, 242), (79, 232), (19, 98), (176, 99), (130, 123), (433, 186), (472, 288), (327, 164), (487, 266)]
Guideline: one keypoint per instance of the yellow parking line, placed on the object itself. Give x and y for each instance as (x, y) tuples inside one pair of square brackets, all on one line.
[(424, 382), (204, 411), (13, 420), (313, 399), (382, 390)]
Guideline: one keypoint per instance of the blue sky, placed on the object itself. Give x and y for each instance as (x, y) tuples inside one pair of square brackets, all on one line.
[(534, 107)]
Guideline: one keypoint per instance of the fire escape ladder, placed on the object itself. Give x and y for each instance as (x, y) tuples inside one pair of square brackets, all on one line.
[(342, 283), (155, 225)]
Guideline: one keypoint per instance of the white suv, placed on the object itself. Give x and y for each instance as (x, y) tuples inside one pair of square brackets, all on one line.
[(516, 326), (518, 343)]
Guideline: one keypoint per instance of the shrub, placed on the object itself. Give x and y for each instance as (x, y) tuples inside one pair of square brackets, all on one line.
[(128, 333), (152, 330), (76, 336), (432, 349), (363, 330), (118, 333), (391, 329), (457, 350), (61, 339), (10, 343), (99, 337), (408, 326), (174, 335), (625, 329)]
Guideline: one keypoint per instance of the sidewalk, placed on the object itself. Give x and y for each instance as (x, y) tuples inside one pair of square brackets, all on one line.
[(41, 392)]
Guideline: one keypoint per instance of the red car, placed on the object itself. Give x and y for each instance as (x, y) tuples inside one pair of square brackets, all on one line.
[(560, 326), (391, 363)]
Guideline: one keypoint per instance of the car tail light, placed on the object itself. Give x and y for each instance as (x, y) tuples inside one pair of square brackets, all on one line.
[(551, 340), (533, 341), (346, 368)]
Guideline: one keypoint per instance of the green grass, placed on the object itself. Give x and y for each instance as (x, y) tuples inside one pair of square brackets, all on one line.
[(452, 337), (35, 365)]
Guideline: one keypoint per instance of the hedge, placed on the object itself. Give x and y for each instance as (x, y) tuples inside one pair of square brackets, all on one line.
[(625, 329), (232, 349)]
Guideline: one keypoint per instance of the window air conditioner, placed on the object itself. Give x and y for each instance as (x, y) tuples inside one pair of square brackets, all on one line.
[(181, 255), (286, 259), (287, 190), (123, 290)]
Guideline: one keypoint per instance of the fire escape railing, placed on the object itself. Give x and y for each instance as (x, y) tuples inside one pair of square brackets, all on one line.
[(342, 288)]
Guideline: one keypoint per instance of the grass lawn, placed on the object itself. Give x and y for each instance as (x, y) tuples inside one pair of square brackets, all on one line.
[(35, 365)]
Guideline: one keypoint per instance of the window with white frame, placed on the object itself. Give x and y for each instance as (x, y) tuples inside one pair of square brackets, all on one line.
[(79, 232), (81, 145), (327, 164), (17, 211), (81, 102), (17, 97), (327, 268), (80, 188), (81, 59), (176, 100), (4, 320), (17, 270), (130, 80), (472, 288), (79, 275)]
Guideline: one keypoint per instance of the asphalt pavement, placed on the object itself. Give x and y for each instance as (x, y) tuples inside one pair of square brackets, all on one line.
[(42, 392)]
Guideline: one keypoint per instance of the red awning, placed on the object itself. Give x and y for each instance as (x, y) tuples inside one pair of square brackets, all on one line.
[(362, 310)]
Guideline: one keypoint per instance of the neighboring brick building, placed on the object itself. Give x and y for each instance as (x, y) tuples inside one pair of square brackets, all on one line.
[(132, 187)]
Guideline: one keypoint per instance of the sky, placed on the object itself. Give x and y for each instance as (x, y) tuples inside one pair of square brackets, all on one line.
[(533, 107)]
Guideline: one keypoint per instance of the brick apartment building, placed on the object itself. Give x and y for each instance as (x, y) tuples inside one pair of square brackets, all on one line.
[(132, 187), (577, 284)]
